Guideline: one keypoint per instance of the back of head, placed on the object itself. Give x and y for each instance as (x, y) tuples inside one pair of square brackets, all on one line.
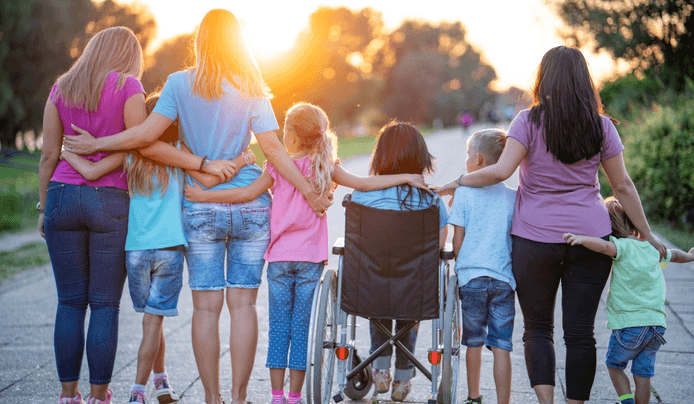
[(222, 53), (307, 127), (113, 49), (401, 149), (490, 142), (567, 106), (621, 224)]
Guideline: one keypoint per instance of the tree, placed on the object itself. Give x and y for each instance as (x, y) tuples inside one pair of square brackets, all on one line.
[(655, 35), (173, 55), (431, 72)]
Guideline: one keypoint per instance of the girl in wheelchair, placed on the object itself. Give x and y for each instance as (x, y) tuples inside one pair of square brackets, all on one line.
[(298, 248), (400, 149)]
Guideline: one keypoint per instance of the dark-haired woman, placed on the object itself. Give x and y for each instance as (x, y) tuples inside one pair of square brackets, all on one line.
[(400, 149), (559, 143)]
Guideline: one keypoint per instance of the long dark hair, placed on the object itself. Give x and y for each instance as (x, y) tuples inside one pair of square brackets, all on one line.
[(567, 105), (401, 149)]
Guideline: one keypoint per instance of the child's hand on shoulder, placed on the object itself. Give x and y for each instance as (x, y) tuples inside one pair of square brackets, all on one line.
[(417, 181), (691, 251), (573, 239), (194, 193)]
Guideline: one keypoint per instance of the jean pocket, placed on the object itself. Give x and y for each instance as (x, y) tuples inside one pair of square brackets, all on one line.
[(54, 197), (199, 223), (631, 337), (115, 203), (256, 222)]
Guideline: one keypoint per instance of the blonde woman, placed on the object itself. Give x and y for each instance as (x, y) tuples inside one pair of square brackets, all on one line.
[(219, 103)]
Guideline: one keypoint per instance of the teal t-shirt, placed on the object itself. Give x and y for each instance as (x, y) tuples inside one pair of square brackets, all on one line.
[(219, 129), (486, 214), (637, 287), (155, 222)]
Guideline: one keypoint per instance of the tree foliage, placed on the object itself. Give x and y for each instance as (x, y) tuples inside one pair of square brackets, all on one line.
[(651, 34), (173, 55)]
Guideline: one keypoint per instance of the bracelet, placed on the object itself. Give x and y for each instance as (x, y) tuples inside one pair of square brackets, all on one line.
[(39, 208), (203, 163), (460, 184), (247, 158)]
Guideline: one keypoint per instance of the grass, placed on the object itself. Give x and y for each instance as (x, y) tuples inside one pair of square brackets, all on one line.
[(683, 238), (28, 256)]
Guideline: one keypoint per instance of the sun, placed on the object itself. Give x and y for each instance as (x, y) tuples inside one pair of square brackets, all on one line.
[(268, 42)]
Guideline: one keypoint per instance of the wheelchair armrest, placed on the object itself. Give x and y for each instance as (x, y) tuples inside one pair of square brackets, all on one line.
[(339, 246), (447, 252), (347, 199)]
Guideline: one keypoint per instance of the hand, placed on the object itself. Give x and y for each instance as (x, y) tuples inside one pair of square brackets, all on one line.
[(655, 242), (573, 239), (84, 143), (224, 169), (417, 181), (319, 203), (250, 154), (194, 193), (42, 232), (448, 189), (691, 251)]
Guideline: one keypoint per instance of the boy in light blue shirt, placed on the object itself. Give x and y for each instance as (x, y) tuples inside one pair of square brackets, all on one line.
[(481, 219)]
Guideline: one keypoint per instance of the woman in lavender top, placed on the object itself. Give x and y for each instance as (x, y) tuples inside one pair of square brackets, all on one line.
[(559, 144)]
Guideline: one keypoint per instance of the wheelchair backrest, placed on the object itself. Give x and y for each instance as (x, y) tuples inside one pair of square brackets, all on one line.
[(391, 263)]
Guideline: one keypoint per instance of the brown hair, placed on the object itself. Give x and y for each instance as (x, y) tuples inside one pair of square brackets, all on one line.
[(490, 142), (567, 106), (113, 49), (621, 224)]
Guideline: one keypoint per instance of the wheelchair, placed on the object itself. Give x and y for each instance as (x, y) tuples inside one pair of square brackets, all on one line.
[(390, 267)]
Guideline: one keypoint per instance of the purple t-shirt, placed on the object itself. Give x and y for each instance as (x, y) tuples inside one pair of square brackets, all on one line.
[(107, 120), (554, 198)]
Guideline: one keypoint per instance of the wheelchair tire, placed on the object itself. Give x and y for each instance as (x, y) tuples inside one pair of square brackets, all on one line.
[(360, 385), (310, 343), (325, 338), (451, 345)]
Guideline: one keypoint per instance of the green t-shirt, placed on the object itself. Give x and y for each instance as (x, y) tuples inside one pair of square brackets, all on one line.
[(637, 287)]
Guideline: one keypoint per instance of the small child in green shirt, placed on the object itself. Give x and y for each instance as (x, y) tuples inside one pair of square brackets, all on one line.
[(635, 302)]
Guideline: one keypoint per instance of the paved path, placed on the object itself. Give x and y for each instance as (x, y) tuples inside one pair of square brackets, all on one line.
[(28, 301)]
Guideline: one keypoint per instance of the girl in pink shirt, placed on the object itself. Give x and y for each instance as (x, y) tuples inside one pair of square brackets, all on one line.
[(298, 248)]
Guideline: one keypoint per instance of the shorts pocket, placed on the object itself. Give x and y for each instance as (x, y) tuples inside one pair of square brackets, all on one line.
[(115, 203), (54, 198), (631, 337), (199, 223), (256, 221)]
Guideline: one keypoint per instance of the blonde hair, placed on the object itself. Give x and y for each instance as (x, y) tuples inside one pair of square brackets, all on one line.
[(222, 52), (307, 127), (141, 170), (621, 224), (113, 49), (490, 142)]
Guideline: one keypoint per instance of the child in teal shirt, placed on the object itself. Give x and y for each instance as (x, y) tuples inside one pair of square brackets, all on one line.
[(635, 302)]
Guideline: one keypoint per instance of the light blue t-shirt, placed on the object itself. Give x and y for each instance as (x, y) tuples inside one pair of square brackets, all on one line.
[(486, 214), (388, 199), (219, 129), (155, 222)]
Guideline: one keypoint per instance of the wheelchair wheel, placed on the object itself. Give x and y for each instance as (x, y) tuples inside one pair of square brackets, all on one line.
[(325, 338), (451, 345), (360, 385), (309, 349)]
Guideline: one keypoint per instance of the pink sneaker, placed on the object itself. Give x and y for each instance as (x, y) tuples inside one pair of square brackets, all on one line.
[(382, 380), (93, 400), (71, 400)]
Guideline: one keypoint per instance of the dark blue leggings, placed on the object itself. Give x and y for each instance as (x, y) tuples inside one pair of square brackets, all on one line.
[(539, 269), (85, 233)]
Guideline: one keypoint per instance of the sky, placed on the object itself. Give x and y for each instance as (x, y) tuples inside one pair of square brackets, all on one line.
[(511, 34)]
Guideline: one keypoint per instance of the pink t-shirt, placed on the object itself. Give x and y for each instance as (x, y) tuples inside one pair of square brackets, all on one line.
[(107, 120), (554, 198), (296, 233)]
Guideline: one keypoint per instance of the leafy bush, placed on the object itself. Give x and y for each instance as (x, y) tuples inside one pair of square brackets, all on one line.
[(627, 95), (19, 193)]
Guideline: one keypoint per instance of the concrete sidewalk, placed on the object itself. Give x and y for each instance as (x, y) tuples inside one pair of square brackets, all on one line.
[(28, 303)]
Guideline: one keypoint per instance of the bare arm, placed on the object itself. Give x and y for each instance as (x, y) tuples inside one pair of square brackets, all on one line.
[(514, 152), (50, 153), (371, 183), (682, 257), (209, 181), (628, 196), (443, 235), (592, 243), (278, 156), (458, 237), (92, 170), (232, 195)]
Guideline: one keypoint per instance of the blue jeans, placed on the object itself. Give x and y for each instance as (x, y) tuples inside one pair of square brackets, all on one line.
[(488, 307), (290, 287), (636, 344), (155, 278), (239, 232), (85, 234), (404, 369)]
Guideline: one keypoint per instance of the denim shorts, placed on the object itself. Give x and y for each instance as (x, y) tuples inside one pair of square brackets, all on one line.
[(488, 308), (636, 344), (215, 231), (155, 278)]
